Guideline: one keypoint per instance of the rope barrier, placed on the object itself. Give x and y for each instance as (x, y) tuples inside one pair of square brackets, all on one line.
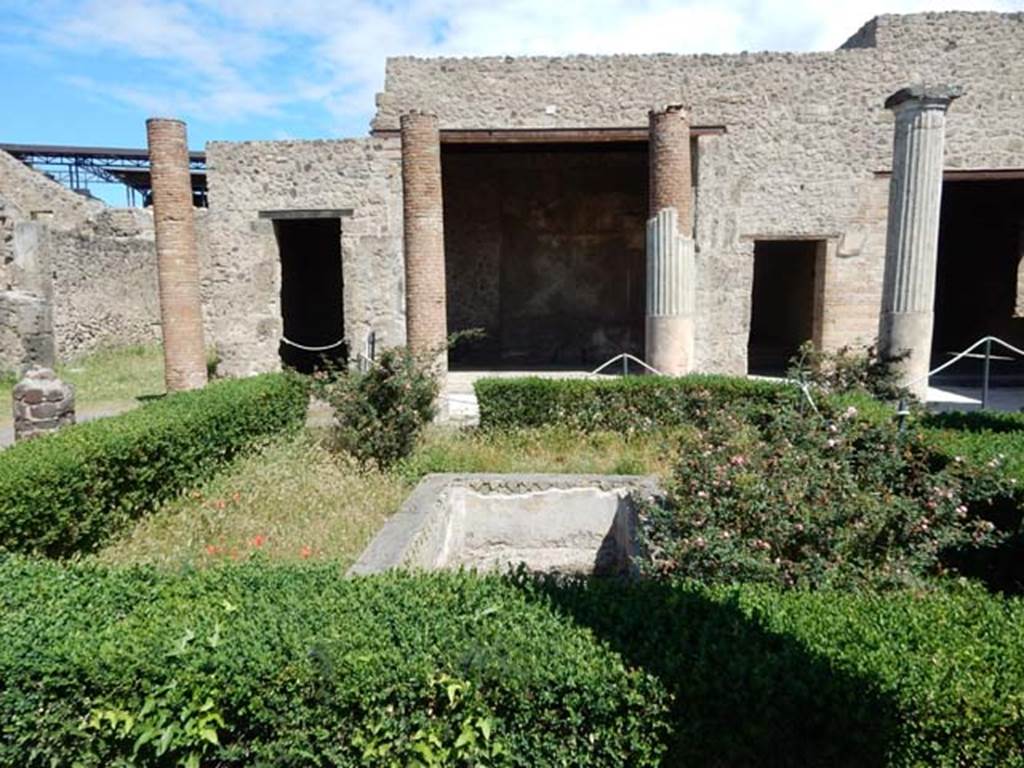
[(625, 356), (306, 348), (960, 356)]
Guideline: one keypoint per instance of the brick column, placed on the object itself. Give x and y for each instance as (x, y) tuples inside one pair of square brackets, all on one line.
[(181, 317), (671, 268), (912, 238), (425, 304)]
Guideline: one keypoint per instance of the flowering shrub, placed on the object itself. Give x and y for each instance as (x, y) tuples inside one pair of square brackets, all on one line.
[(847, 370), (803, 500), (380, 413)]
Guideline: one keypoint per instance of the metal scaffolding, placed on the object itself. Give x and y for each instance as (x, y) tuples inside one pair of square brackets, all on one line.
[(78, 167)]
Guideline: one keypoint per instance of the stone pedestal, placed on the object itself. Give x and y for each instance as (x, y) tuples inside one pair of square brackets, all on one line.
[(911, 251), (42, 404), (671, 269), (426, 318), (26, 331), (181, 316)]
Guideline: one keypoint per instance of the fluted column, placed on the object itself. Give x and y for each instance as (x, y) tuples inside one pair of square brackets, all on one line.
[(181, 316), (912, 238), (671, 270), (426, 319)]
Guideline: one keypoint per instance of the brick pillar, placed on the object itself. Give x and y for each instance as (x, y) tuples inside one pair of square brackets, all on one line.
[(425, 304), (181, 316), (671, 267), (912, 237)]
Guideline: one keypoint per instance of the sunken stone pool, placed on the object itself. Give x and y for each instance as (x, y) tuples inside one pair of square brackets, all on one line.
[(552, 523)]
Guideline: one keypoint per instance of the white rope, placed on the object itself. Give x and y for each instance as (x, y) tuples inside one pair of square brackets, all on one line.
[(960, 356), (627, 356), (305, 348)]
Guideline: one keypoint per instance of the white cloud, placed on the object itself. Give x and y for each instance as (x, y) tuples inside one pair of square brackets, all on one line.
[(244, 58)]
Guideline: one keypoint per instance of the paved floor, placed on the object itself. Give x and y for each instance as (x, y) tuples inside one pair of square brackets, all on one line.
[(956, 398)]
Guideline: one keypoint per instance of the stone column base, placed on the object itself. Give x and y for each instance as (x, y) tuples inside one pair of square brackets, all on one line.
[(908, 334), (669, 344)]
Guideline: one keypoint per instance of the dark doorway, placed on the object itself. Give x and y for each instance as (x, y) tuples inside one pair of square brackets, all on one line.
[(783, 302), (981, 243), (311, 292), (544, 250)]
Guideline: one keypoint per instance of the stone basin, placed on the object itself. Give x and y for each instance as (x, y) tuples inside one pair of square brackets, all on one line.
[(552, 523)]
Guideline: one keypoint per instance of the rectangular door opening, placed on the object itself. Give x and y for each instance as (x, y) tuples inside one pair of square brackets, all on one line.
[(784, 302), (544, 250), (312, 307), (979, 287)]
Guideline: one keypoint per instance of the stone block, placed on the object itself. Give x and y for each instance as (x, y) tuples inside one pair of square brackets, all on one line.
[(42, 403)]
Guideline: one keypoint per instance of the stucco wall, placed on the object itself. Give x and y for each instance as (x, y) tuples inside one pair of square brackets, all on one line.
[(805, 136), (245, 178)]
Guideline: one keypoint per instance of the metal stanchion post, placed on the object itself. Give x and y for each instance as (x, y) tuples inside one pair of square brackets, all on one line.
[(984, 379)]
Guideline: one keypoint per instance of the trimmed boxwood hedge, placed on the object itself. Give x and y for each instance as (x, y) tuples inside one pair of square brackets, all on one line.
[(763, 677), (979, 436), (69, 492), (255, 664), (261, 665), (627, 404)]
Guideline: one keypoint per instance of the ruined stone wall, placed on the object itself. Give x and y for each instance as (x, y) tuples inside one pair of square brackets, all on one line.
[(805, 136), (93, 266), (246, 178)]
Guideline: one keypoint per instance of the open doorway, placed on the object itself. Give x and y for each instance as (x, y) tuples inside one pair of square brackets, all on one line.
[(784, 306), (312, 291), (544, 250), (978, 279)]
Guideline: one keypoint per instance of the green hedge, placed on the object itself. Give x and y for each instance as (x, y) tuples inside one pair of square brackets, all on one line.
[(261, 665), (627, 404), (762, 677), (253, 664), (68, 492), (980, 437)]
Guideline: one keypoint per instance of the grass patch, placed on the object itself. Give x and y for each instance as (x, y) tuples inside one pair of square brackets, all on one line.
[(292, 500), (295, 499), (116, 375), (544, 449), (114, 378)]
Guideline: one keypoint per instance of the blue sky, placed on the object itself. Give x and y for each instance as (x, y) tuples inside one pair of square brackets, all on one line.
[(90, 72)]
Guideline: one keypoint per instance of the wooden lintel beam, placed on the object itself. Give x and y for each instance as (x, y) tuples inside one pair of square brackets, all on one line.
[(973, 174), (551, 135), (306, 213)]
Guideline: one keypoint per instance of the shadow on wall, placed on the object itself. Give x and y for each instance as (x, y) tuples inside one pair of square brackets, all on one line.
[(742, 696)]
